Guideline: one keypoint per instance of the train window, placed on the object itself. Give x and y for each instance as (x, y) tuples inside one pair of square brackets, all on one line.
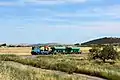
[(56, 50), (75, 51), (59, 50)]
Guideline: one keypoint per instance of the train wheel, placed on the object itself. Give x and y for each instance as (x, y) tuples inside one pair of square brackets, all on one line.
[(33, 53)]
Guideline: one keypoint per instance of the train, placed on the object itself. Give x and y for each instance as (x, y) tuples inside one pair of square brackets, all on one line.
[(46, 50)]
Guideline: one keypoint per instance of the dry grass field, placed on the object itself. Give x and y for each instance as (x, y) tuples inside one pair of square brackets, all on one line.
[(27, 50), (85, 49), (69, 64), (16, 50), (15, 71)]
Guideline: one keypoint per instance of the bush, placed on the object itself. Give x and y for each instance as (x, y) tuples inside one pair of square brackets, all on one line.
[(108, 52), (94, 53), (3, 44), (7, 57), (64, 66)]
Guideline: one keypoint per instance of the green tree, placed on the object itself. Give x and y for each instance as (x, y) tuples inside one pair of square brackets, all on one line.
[(77, 44), (3, 44), (108, 52), (94, 53)]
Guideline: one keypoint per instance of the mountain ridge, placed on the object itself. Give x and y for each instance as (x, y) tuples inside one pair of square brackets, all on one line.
[(104, 40)]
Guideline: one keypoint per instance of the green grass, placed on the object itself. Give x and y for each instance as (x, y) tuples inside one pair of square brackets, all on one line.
[(70, 64)]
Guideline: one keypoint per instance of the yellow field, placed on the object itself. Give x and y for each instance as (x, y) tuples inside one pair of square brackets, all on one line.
[(118, 49), (27, 50), (85, 49), (16, 50)]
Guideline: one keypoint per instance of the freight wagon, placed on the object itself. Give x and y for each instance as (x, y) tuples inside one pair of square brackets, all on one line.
[(55, 50)]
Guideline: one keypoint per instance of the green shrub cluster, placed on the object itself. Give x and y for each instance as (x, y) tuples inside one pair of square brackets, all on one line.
[(108, 52)]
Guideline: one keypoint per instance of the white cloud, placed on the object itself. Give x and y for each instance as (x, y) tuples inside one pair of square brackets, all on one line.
[(7, 3), (44, 2), (104, 12), (56, 1), (77, 15), (110, 11), (54, 20), (95, 27), (51, 2)]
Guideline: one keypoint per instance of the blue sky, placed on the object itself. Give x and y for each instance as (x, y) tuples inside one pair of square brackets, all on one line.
[(62, 21)]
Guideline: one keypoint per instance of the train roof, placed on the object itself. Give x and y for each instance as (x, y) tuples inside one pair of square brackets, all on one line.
[(75, 47), (65, 47), (60, 47)]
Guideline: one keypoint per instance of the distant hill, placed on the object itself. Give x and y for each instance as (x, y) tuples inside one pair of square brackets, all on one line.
[(50, 44), (105, 40), (35, 44), (31, 45), (44, 44)]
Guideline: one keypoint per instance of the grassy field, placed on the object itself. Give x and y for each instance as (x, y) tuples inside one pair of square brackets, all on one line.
[(21, 67), (70, 64), (16, 50), (16, 71)]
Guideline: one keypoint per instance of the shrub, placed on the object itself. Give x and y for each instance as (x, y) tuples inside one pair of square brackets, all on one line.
[(61, 66), (7, 57), (108, 52), (94, 53)]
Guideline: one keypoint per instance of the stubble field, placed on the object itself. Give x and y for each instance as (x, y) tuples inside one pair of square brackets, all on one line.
[(27, 50), (16, 50)]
